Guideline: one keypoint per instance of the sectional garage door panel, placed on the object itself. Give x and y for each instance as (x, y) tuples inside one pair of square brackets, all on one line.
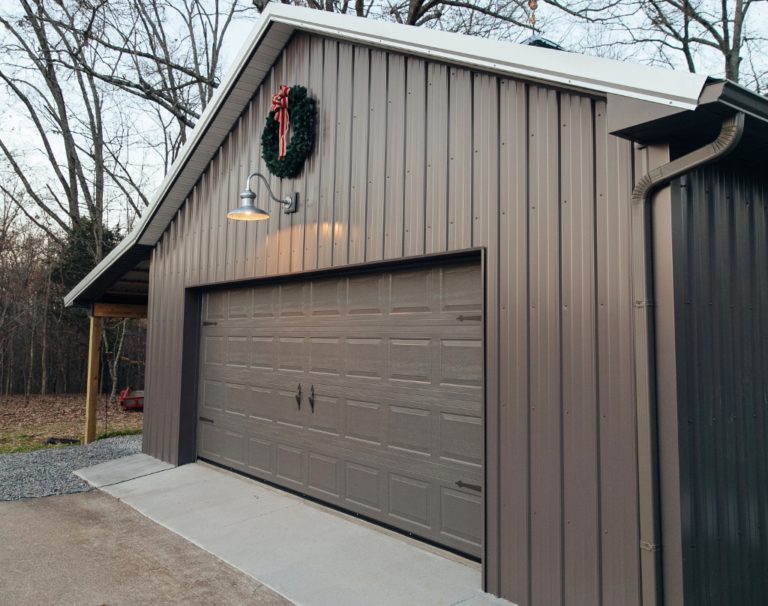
[(364, 391)]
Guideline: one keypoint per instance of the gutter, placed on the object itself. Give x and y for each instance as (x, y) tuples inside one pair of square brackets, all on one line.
[(645, 347)]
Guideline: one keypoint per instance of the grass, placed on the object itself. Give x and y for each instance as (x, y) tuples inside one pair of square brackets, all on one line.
[(119, 432), (11, 443), (25, 424)]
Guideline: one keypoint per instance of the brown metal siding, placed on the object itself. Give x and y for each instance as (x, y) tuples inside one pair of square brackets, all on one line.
[(720, 228), (415, 157), (579, 405)]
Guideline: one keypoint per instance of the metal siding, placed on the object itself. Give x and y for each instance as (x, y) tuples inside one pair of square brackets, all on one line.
[(720, 260), (299, 73), (618, 450), (581, 491), (220, 204), (327, 146), (280, 220), (486, 139), (243, 165), (377, 165), (163, 323), (314, 171), (660, 283), (252, 148), (276, 239), (479, 215), (176, 302), (537, 181), (235, 229), (147, 438), (262, 103), (460, 124), (342, 161), (154, 391), (174, 352), (509, 565), (485, 184), (436, 173), (415, 161), (200, 272), (545, 355), (358, 196), (395, 158)]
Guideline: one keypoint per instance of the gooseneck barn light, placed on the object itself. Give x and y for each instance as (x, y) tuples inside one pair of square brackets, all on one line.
[(250, 212)]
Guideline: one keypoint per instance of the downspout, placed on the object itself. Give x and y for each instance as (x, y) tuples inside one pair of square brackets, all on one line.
[(645, 348)]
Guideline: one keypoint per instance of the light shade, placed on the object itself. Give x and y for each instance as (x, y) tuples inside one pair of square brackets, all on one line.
[(248, 212)]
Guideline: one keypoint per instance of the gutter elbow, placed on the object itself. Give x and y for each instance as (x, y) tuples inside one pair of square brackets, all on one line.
[(730, 135)]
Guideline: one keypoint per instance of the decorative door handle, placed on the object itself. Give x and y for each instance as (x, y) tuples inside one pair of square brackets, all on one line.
[(463, 484), (298, 397), (312, 398)]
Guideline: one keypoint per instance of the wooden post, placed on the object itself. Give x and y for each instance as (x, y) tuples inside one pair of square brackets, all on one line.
[(94, 353)]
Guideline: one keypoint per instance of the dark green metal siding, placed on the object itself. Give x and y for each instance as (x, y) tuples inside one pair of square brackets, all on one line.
[(720, 225)]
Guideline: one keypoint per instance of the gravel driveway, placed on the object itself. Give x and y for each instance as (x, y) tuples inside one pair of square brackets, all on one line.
[(48, 472)]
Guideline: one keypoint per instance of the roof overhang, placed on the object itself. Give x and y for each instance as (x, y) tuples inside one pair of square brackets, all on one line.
[(675, 90), (686, 130)]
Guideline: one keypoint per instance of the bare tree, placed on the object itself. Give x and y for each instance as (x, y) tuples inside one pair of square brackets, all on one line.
[(711, 35), (64, 111), (70, 153), (68, 66), (165, 52), (487, 18)]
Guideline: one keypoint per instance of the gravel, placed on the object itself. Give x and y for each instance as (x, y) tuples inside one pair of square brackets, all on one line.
[(47, 472)]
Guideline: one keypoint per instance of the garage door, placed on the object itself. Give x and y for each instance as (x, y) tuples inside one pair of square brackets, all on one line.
[(363, 391)]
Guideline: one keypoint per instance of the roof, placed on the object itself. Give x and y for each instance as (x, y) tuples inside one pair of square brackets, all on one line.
[(680, 90)]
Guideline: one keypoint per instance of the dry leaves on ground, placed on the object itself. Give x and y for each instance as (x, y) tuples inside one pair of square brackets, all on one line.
[(26, 423)]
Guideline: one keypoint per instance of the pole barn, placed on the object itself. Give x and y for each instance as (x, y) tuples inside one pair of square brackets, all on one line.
[(509, 300)]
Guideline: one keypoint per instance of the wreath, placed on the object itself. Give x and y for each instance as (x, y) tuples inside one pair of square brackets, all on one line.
[(295, 108)]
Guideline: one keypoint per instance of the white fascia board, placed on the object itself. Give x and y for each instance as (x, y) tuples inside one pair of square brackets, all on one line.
[(668, 87)]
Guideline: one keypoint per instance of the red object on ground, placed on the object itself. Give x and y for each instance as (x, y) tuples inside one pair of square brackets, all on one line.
[(131, 400)]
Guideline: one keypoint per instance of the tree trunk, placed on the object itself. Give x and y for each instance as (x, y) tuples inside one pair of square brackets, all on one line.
[(31, 368), (115, 362), (44, 346)]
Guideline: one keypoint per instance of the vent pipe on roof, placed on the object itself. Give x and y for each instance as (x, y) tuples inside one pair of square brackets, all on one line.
[(542, 42), (641, 248)]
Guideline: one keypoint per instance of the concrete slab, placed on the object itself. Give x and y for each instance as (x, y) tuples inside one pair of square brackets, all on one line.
[(121, 470), (310, 554)]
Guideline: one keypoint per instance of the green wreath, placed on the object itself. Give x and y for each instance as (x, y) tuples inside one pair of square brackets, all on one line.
[(303, 115)]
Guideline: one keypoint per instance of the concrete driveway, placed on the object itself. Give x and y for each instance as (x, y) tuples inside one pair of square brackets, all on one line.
[(310, 554), (91, 549)]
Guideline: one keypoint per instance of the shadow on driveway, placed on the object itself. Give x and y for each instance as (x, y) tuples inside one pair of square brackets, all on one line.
[(91, 549)]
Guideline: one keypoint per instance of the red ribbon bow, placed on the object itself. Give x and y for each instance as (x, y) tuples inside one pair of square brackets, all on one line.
[(280, 107)]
